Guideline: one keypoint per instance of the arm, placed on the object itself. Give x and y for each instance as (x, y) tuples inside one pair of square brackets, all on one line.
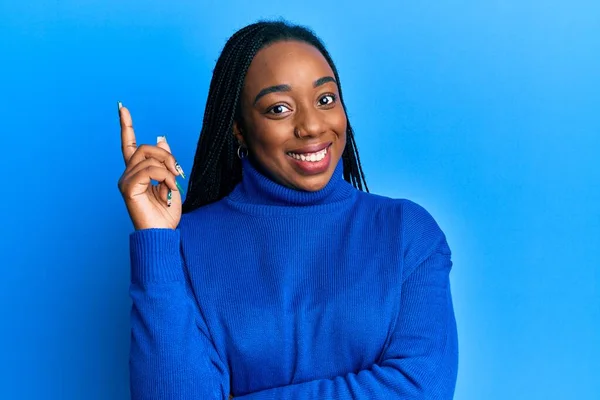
[(421, 359), (172, 355)]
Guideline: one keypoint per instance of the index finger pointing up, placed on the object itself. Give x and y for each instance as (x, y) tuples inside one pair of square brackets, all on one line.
[(128, 144)]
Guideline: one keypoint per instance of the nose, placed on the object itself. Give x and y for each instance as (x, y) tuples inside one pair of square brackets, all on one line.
[(309, 123)]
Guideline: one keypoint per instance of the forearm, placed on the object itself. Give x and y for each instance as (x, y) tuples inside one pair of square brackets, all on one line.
[(421, 360), (400, 379), (171, 353)]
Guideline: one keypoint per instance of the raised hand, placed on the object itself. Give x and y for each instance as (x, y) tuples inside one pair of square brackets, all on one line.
[(149, 206)]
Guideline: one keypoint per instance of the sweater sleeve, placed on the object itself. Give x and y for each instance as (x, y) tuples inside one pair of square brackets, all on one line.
[(421, 359), (172, 355)]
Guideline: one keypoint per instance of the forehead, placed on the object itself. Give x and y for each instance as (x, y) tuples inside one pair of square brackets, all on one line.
[(286, 62)]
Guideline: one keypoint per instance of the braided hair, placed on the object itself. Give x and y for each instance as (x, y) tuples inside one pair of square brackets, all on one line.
[(217, 169)]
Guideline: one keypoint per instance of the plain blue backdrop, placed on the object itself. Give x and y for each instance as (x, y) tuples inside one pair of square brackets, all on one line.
[(484, 112)]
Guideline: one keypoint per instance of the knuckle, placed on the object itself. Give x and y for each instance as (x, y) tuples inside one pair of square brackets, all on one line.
[(121, 182), (154, 162), (124, 188), (162, 153), (128, 149)]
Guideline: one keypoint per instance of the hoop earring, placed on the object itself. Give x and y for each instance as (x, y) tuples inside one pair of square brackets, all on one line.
[(242, 152)]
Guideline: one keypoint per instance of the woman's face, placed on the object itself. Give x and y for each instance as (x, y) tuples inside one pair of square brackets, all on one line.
[(294, 124)]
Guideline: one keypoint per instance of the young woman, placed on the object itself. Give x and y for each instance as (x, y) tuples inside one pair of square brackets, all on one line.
[(282, 279)]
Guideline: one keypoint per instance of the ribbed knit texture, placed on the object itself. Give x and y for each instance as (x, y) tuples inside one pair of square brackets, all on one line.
[(273, 293)]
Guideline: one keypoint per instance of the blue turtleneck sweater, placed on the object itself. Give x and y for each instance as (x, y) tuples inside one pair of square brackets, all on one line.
[(272, 293)]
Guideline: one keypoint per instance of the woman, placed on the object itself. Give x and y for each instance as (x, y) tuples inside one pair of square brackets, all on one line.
[(282, 279)]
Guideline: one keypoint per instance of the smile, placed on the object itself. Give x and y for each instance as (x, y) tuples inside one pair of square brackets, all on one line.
[(311, 157)]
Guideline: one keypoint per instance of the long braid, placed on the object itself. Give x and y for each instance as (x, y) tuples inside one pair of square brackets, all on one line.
[(217, 169), (216, 137)]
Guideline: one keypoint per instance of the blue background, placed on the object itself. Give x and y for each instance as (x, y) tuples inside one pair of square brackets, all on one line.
[(484, 112)]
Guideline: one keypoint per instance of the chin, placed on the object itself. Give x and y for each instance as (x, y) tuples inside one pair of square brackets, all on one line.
[(313, 183), (314, 186)]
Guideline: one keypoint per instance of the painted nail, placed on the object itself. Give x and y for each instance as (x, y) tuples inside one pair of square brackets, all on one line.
[(169, 196), (161, 139), (120, 105), (179, 188), (179, 169)]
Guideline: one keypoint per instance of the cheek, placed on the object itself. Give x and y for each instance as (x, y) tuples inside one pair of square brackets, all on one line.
[(339, 124), (262, 131), (267, 136)]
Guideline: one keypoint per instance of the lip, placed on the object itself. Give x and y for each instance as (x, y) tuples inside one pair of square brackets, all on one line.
[(308, 168), (311, 149)]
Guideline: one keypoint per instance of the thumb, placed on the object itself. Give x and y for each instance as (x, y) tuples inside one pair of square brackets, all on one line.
[(161, 141)]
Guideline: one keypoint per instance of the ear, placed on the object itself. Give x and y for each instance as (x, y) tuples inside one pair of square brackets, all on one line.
[(237, 132)]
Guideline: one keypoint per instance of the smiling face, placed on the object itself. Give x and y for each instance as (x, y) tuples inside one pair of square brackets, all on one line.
[(294, 124)]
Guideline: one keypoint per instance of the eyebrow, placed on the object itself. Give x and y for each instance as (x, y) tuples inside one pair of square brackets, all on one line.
[(288, 88), (324, 80), (272, 89)]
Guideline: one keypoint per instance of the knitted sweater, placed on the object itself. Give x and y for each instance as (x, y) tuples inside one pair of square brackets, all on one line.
[(273, 293)]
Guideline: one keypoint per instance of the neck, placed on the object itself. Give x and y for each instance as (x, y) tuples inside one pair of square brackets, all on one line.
[(259, 189)]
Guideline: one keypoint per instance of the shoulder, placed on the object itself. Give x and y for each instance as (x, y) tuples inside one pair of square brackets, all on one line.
[(422, 237), (422, 233), (411, 215), (417, 230), (204, 216)]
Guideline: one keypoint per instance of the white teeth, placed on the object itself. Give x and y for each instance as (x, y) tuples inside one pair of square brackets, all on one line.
[(312, 157)]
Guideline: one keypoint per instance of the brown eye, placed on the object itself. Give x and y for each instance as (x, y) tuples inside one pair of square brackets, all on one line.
[(278, 109), (327, 100)]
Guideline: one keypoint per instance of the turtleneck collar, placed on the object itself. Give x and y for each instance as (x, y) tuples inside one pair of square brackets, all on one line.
[(259, 190)]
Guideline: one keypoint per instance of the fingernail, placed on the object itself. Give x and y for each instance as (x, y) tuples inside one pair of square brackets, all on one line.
[(169, 196), (120, 105), (161, 139), (179, 169), (179, 188)]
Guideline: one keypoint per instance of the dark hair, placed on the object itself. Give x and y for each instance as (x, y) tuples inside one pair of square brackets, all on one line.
[(217, 169)]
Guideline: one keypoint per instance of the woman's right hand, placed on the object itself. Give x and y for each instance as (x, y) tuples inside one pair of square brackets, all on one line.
[(148, 204)]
